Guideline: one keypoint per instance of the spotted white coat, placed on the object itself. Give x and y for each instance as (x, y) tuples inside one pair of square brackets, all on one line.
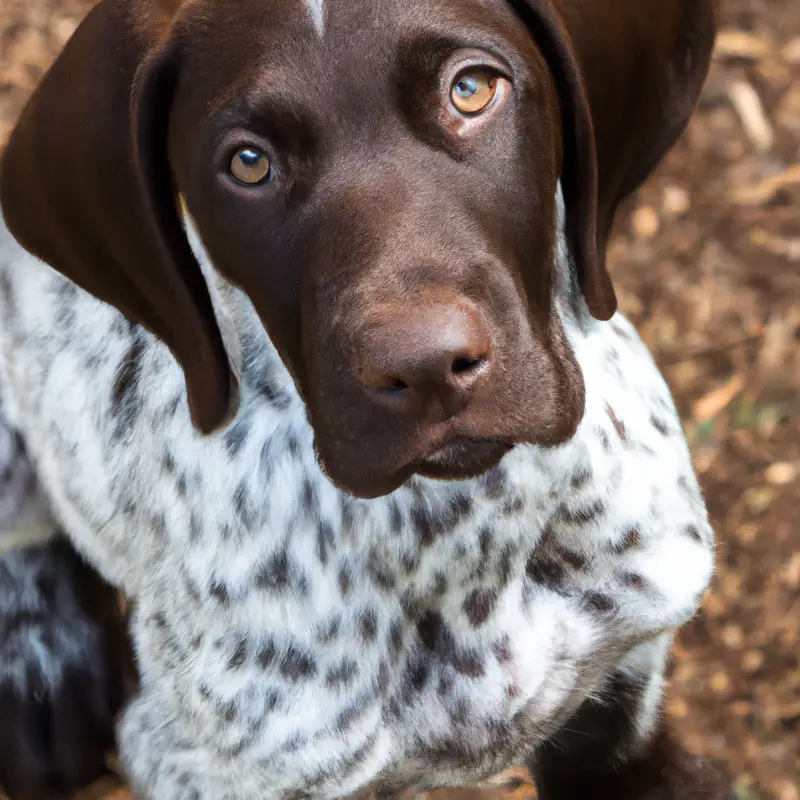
[(294, 641)]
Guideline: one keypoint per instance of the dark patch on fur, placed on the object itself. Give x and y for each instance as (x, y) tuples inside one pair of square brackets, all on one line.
[(631, 540), (329, 631), (546, 571), (266, 654), (410, 562), (436, 637), (219, 591), (619, 425), (126, 402), (396, 635), (326, 542), (297, 664), (352, 712), (597, 601), (502, 649), (430, 524), (495, 483), (582, 515), (479, 605), (236, 437), (239, 655), (341, 675), (581, 477), (659, 425), (368, 625), (274, 576), (344, 580), (380, 575), (693, 532), (575, 560), (395, 517), (267, 457), (633, 580)]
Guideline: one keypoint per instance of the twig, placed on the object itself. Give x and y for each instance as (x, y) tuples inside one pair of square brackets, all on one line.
[(748, 106), (764, 191), (738, 44)]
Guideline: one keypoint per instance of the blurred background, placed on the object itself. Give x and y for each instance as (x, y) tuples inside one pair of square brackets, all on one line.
[(707, 263)]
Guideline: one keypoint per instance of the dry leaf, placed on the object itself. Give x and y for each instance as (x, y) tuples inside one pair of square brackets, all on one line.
[(752, 661), (758, 499), (786, 247), (709, 405), (791, 52), (764, 191), (781, 473), (747, 103), (738, 44), (676, 201), (646, 223)]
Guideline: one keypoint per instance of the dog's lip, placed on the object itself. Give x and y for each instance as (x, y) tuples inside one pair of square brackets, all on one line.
[(462, 457), (456, 458), (454, 443)]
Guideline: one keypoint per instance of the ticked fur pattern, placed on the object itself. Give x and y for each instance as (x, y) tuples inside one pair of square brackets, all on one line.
[(294, 641)]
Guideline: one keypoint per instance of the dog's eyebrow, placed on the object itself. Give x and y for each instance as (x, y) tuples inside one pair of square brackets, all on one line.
[(270, 112), (316, 8)]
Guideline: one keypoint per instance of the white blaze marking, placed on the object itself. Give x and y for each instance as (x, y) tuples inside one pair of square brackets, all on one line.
[(317, 10)]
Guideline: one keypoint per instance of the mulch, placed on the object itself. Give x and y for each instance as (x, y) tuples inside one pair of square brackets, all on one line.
[(707, 262)]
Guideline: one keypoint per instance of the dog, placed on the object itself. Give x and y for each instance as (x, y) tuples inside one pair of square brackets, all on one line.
[(309, 346)]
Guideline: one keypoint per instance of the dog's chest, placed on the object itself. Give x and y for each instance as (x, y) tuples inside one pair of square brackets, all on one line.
[(326, 641)]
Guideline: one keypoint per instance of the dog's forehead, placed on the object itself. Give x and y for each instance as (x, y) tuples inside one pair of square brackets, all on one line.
[(316, 10), (320, 11), (305, 46), (349, 25)]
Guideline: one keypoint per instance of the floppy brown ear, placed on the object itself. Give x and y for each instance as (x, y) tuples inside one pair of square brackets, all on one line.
[(85, 185), (628, 74)]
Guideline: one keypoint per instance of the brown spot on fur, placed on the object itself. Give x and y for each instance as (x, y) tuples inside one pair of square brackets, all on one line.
[(546, 572), (502, 650), (575, 560), (632, 539), (581, 478), (619, 425), (633, 580), (369, 626), (479, 605), (582, 515)]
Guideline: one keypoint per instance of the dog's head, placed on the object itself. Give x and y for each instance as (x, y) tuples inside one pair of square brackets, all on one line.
[(380, 178)]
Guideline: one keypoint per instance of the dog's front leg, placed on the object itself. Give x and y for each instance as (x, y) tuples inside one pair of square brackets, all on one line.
[(62, 646), (62, 650), (617, 746)]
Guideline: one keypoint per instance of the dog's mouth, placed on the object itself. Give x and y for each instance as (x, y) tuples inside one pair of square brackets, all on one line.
[(463, 458)]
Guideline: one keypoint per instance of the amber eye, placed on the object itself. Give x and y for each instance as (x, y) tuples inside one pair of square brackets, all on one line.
[(250, 166), (473, 91)]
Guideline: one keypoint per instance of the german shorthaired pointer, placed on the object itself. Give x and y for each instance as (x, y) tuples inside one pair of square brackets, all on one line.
[(313, 351)]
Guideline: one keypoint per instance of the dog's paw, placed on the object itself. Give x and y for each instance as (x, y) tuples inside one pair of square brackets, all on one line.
[(60, 671)]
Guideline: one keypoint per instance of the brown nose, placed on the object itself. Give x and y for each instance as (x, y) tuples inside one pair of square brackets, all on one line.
[(427, 360)]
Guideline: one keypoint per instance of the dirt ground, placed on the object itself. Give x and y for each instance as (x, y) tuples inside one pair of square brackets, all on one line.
[(707, 262)]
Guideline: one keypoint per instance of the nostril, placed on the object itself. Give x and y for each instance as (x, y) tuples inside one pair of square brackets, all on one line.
[(464, 364)]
